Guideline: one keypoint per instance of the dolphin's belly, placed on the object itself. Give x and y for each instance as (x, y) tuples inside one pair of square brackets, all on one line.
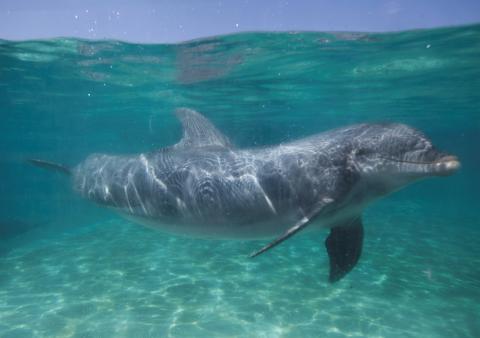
[(232, 229), (224, 230)]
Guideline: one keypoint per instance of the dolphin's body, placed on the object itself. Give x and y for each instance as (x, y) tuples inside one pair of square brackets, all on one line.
[(203, 186)]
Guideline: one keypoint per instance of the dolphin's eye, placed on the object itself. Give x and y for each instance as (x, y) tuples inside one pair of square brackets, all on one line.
[(361, 152)]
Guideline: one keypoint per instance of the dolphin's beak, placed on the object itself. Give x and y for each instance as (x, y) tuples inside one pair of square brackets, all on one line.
[(446, 165)]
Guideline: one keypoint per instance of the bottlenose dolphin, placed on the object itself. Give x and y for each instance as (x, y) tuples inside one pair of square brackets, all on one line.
[(204, 186)]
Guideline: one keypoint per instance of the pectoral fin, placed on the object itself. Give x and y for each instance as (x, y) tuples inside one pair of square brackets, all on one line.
[(300, 225), (344, 247)]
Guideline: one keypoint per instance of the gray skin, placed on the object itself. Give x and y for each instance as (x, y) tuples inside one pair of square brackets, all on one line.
[(203, 186)]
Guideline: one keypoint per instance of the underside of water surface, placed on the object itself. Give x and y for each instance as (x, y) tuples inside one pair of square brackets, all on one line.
[(69, 268)]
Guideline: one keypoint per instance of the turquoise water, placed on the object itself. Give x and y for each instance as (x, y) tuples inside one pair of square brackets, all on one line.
[(70, 268)]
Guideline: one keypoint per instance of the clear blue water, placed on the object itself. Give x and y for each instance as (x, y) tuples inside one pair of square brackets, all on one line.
[(70, 268)]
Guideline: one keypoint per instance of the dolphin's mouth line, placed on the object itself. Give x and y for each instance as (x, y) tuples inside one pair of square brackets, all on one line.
[(405, 161), (445, 159)]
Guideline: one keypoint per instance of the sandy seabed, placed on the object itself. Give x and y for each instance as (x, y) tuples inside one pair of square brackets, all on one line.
[(118, 279)]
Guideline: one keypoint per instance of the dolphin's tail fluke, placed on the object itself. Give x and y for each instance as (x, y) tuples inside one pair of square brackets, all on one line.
[(50, 165)]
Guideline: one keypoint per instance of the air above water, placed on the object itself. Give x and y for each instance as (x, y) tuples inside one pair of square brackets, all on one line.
[(69, 268)]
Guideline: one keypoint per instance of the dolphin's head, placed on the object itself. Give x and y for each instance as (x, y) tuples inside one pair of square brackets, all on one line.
[(393, 155)]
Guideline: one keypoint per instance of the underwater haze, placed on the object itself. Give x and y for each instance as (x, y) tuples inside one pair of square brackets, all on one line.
[(69, 268)]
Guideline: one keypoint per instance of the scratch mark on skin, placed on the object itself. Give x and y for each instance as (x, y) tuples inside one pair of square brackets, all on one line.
[(151, 172), (139, 199), (127, 199), (267, 199), (181, 204)]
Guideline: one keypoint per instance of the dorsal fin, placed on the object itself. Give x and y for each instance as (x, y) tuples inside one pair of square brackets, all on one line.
[(198, 131)]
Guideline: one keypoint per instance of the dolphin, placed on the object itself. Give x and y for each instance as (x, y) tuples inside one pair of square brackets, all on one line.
[(206, 187)]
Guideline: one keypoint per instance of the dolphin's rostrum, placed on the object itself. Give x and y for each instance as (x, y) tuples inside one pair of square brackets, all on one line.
[(204, 186)]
